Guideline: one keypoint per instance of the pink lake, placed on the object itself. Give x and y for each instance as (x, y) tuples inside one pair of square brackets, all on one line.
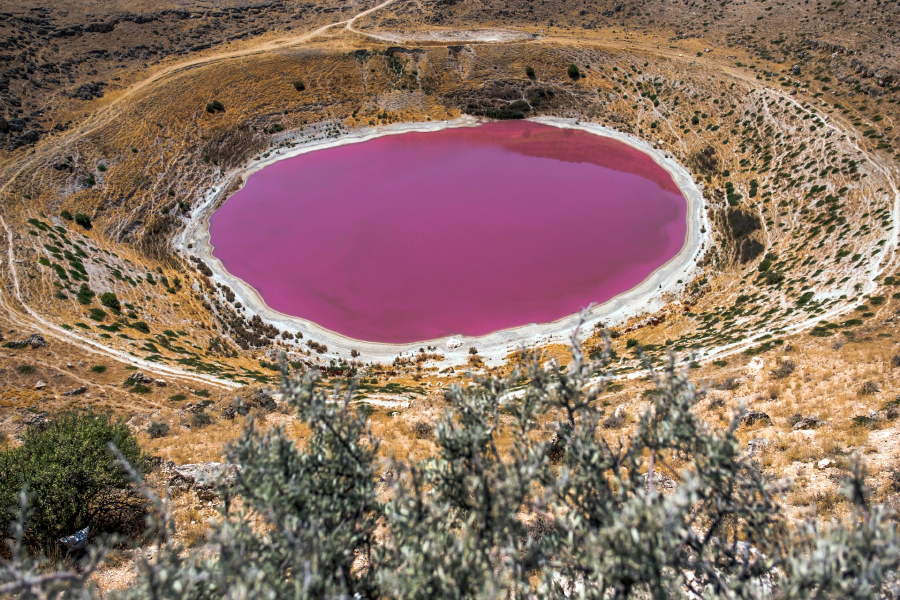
[(417, 236)]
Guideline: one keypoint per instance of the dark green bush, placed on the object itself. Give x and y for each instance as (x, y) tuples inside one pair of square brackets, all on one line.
[(742, 222), (529, 72), (83, 220), (109, 300), (97, 314), (299, 85), (66, 215), (215, 106), (85, 294), (573, 71), (71, 476)]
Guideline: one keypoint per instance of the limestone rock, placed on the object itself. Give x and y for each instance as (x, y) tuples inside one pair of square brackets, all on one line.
[(203, 477), (757, 446), (808, 423), (754, 416), (77, 540), (138, 377)]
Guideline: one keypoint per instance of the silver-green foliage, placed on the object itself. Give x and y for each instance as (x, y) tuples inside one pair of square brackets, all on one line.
[(561, 513)]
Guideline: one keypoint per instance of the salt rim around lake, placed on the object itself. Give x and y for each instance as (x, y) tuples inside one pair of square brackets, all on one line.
[(645, 298)]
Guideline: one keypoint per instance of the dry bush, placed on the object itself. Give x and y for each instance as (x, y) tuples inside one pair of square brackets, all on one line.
[(784, 369), (231, 148)]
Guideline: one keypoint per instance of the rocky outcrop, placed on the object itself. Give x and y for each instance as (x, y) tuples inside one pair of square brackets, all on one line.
[(755, 416), (88, 91), (138, 377), (758, 446), (202, 478), (39, 421), (808, 423), (35, 340), (77, 540)]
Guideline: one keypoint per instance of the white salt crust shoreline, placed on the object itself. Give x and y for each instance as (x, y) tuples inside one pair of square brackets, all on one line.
[(645, 298)]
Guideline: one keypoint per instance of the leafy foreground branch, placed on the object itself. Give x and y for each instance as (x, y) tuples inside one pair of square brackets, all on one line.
[(560, 512)]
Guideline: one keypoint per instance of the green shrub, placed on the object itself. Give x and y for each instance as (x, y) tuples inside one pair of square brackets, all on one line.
[(25, 369), (98, 369), (141, 326), (299, 85), (71, 475), (178, 397), (529, 72), (215, 106), (66, 215), (200, 420), (158, 429), (83, 220), (97, 314), (573, 71), (109, 300), (85, 294)]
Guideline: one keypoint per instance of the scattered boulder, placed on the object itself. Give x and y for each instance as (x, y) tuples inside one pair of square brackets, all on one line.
[(35, 340), (617, 420), (40, 385), (77, 540), (39, 421), (89, 91), (869, 388), (76, 391), (161, 383), (757, 446), (138, 377), (662, 483), (824, 463), (808, 423), (755, 416), (729, 384), (203, 478)]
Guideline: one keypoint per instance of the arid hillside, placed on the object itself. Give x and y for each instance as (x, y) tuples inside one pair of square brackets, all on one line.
[(119, 128)]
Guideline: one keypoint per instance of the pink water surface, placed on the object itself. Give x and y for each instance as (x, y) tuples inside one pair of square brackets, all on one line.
[(417, 236)]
